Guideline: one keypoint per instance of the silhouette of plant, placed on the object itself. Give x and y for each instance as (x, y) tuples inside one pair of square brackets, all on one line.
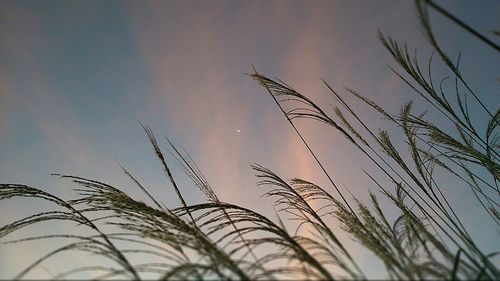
[(219, 240)]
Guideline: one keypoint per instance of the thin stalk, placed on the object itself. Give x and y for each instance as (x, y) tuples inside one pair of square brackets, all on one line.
[(304, 142), (463, 25)]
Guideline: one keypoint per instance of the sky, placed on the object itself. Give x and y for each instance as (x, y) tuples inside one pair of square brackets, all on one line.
[(77, 77)]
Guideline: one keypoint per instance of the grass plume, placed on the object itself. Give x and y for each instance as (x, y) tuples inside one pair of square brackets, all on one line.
[(427, 239)]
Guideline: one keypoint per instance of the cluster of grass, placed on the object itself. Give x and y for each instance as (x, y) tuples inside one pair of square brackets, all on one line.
[(219, 240)]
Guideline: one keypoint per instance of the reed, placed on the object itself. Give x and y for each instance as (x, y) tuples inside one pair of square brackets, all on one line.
[(219, 240)]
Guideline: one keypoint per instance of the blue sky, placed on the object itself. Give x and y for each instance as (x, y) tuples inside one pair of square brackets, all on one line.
[(77, 76)]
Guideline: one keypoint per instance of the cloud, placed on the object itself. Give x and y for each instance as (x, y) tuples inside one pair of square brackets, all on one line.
[(193, 92), (196, 67)]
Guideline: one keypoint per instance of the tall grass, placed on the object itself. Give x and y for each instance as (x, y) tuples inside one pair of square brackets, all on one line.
[(219, 240)]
